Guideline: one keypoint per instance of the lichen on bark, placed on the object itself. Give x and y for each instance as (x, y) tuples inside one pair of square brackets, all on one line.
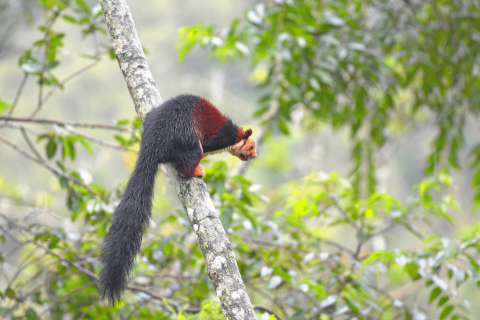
[(193, 193), (216, 248), (130, 56)]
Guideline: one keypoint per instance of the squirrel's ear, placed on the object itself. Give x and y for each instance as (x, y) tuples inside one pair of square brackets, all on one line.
[(248, 133)]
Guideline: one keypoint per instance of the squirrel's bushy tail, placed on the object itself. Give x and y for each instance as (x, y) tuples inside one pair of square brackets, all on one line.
[(130, 220)]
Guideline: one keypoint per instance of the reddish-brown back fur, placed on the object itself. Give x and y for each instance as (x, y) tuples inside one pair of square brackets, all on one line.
[(207, 120)]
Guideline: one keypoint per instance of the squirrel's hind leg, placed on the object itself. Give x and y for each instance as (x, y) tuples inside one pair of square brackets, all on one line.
[(195, 170)]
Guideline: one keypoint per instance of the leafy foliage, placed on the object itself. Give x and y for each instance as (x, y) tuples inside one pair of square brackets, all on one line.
[(369, 66)]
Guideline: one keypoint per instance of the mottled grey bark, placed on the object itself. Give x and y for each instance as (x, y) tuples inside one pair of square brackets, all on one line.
[(216, 248), (130, 57), (193, 193)]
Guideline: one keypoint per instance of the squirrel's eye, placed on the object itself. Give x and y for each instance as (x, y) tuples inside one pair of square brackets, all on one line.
[(251, 147)]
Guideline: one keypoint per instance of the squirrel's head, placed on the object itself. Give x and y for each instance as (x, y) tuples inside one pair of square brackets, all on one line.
[(245, 149)]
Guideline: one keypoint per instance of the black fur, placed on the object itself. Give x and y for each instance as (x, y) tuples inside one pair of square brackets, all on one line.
[(168, 137), (226, 137)]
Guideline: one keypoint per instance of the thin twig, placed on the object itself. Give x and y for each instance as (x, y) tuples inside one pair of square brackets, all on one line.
[(47, 165), (17, 96), (100, 141), (272, 299), (155, 295), (345, 214), (325, 241), (268, 310), (66, 123), (29, 142), (22, 266), (361, 234), (70, 77), (18, 126)]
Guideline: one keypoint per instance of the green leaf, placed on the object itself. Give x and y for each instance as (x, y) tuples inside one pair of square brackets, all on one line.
[(446, 311), (188, 37), (84, 6), (412, 270), (137, 123), (52, 3), (282, 126), (432, 238), (51, 148), (354, 305), (121, 139), (10, 293), (72, 149), (476, 178), (4, 105), (442, 301), (68, 150), (112, 54), (69, 18), (53, 242), (435, 293), (380, 256), (86, 144), (123, 122), (473, 262), (31, 315), (445, 178), (261, 111), (317, 287), (264, 98)]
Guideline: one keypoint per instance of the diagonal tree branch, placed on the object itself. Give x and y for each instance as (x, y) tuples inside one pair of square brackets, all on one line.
[(216, 248)]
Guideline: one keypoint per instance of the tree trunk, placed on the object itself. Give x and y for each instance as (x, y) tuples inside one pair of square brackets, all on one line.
[(193, 193)]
